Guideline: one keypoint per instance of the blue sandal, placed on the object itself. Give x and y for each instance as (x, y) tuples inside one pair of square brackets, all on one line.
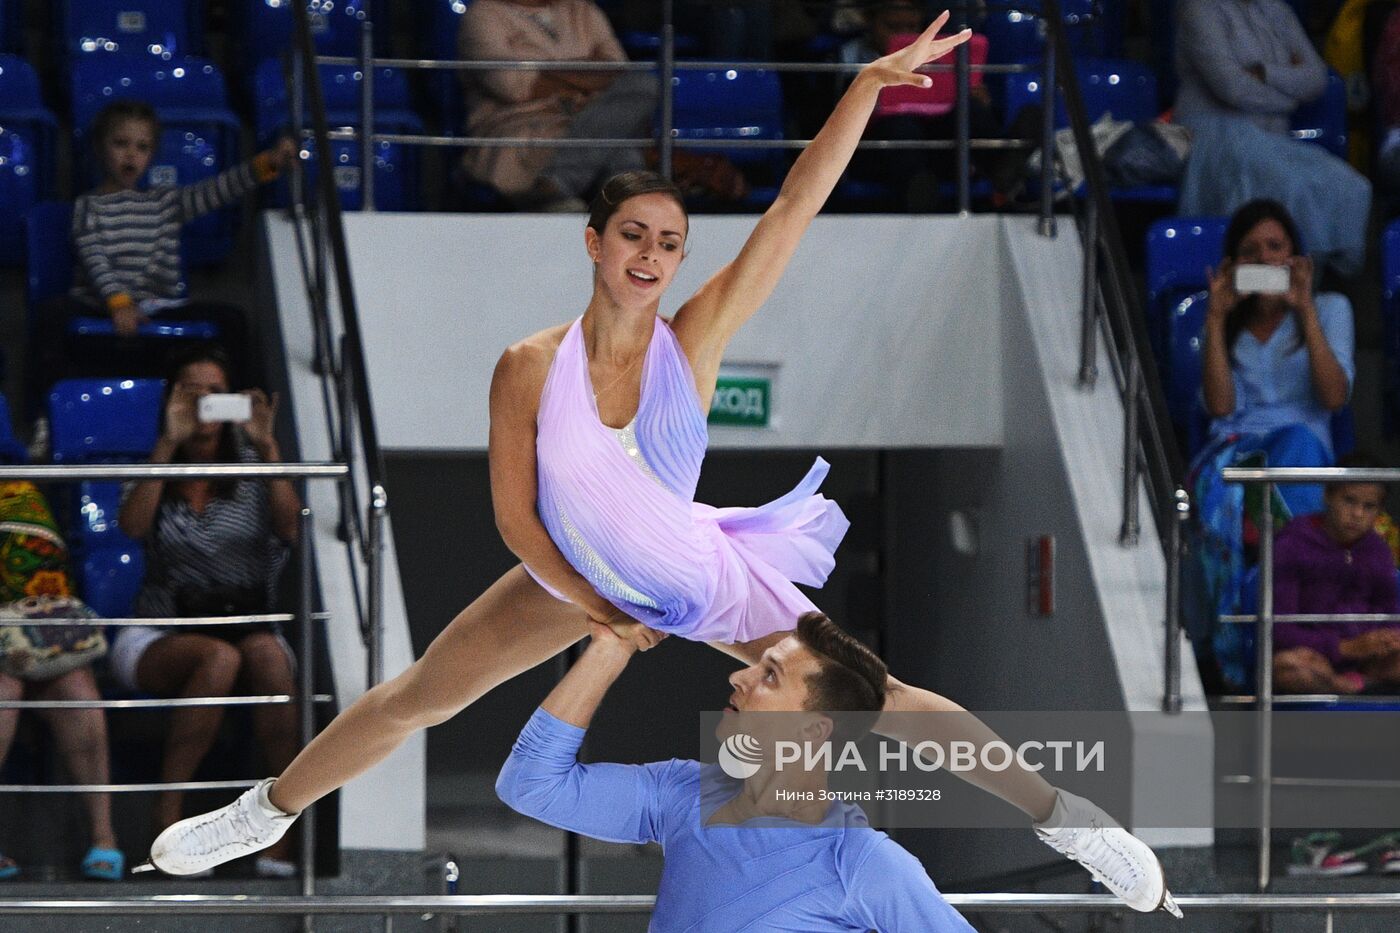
[(103, 864), (9, 868)]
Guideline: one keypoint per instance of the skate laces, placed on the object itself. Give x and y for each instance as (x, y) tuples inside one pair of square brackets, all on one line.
[(1096, 848), (225, 828)]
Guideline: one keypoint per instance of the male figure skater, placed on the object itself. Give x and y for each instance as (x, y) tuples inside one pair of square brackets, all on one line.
[(739, 855)]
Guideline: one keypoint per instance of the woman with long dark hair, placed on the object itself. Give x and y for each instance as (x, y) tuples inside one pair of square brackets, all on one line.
[(1275, 366), (597, 435), (213, 547)]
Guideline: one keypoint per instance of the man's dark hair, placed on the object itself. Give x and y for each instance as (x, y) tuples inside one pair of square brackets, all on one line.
[(119, 111), (851, 680)]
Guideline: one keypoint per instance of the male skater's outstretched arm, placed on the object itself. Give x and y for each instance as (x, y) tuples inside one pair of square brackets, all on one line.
[(834, 874)]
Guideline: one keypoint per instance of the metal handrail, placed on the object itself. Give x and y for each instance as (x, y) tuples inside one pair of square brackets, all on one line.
[(350, 134), (486, 904), (454, 64), (351, 375), (1311, 474), (1315, 618), (666, 64), (136, 471), (1265, 620), (123, 788), (270, 699), (1289, 699), (268, 618), (306, 699), (1111, 306)]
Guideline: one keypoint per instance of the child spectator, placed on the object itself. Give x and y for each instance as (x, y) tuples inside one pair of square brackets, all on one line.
[(212, 548), (126, 240), (1333, 562)]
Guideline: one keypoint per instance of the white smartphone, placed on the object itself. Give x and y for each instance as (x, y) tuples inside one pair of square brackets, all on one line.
[(225, 407), (1256, 278)]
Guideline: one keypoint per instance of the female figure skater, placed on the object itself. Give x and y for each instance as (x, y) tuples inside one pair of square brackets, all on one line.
[(597, 434)]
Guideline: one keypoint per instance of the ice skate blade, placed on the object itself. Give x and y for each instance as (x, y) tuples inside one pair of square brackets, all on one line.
[(144, 866)]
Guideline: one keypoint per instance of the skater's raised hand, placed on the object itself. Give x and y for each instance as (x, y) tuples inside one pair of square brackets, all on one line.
[(899, 67)]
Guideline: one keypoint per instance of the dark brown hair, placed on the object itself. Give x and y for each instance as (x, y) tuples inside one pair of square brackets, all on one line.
[(1250, 215), (228, 433), (851, 679), (1358, 460), (630, 185), (121, 110)]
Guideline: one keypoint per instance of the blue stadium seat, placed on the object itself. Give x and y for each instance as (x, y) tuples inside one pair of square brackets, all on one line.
[(101, 420), (395, 177), (1126, 89), (1182, 369), (110, 577), (96, 524), (266, 26), (396, 167), (1016, 34), (50, 252), (1179, 250), (1390, 313), (19, 192), (340, 87), (11, 450), (22, 109), (109, 564), (733, 105), (1324, 121), (158, 27), (185, 92)]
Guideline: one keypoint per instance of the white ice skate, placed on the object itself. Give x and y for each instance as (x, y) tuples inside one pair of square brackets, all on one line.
[(1080, 830), (249, 824)]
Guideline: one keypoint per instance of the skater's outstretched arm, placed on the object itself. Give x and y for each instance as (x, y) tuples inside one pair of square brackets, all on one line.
[(544, 779), (712, 316)]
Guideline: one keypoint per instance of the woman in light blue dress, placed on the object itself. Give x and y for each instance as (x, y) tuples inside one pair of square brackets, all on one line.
[(1275, 367)]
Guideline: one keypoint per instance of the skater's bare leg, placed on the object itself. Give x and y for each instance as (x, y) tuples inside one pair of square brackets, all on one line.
[(1024, 789), (512, 627)]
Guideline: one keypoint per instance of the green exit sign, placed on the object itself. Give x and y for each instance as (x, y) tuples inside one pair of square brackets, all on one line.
[(742, 401)]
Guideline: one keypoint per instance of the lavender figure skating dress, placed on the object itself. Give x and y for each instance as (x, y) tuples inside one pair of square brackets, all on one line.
[(620, 505)]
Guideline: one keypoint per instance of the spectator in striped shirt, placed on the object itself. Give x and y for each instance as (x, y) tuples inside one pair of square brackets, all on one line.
[(212, 548), (126, 241)]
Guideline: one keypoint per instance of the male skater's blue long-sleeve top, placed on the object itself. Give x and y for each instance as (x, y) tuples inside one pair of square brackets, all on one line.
[(762, 877)]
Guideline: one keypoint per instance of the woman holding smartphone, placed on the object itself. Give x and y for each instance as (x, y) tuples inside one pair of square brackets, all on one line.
[(1277, 361), (213, 547)]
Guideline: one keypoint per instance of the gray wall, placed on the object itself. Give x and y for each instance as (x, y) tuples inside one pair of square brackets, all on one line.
[(874, 333)]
